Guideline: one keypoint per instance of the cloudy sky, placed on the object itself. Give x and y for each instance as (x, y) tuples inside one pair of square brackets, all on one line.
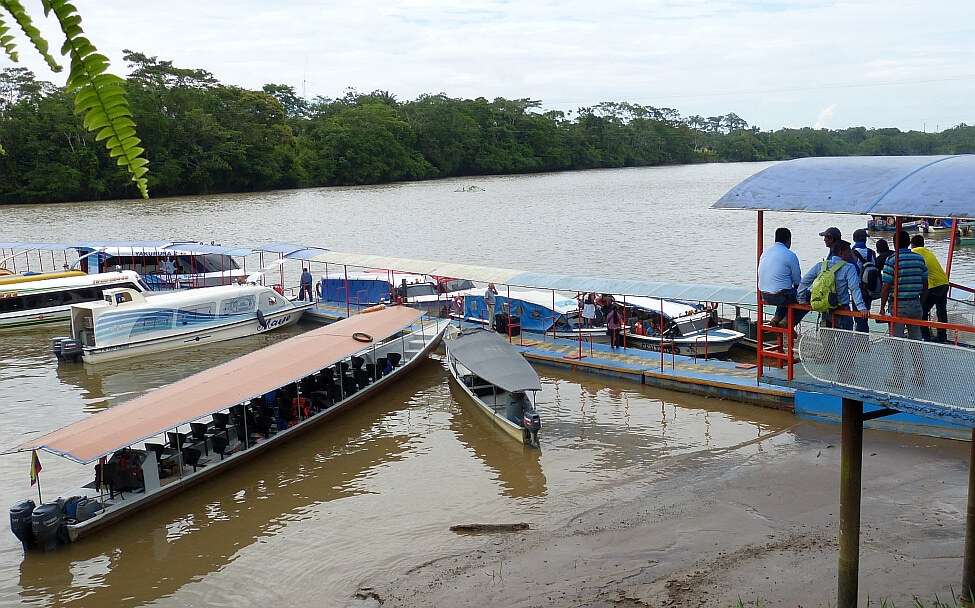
[(901, 63)]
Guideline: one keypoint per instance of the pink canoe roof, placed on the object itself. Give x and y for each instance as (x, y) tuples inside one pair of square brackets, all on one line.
[(220, 387)]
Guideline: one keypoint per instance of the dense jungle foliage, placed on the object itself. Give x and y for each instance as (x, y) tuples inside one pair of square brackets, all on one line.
[(202, 136)]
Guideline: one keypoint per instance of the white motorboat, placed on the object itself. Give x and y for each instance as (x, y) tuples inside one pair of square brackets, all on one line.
[(127, 323), (172, 438), (675, 326), (47, 298), (497, 379)]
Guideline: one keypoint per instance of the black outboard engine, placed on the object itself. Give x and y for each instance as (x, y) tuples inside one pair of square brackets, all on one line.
[(20, 522), (66, 349), (532, 423), (46, 522)]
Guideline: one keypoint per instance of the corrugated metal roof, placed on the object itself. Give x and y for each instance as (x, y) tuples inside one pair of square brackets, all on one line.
[(920, 186), (535, 280)]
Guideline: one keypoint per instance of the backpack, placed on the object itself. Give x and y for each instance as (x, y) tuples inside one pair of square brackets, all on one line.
[(870, 279), (823, 296)]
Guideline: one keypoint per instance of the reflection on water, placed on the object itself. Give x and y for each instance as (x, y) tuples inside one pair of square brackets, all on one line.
[(517, 467)]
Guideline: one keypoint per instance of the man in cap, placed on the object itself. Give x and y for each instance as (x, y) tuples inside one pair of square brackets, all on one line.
[(831, 236)]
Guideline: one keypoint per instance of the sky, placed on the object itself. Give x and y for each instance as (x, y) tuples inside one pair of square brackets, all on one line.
[(776, 63)]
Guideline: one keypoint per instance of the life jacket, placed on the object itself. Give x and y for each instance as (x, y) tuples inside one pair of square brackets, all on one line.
[(302, 404), (823, 296)]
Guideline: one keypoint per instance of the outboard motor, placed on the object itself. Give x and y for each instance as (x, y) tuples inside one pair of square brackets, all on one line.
[(20, 522), (532, 423), (66, 349), (46, 522)]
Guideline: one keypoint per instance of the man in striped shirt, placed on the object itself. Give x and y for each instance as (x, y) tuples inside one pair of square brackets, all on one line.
[(912, 282)]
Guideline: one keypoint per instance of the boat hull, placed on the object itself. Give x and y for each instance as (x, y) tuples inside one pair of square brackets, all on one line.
[(81, 530), (60, 314), (220, 333), (691, 347), (509, 428)]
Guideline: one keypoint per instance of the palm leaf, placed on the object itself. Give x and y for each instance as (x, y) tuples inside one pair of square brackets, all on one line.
[(99, 97), (19, 13), (7, 41)]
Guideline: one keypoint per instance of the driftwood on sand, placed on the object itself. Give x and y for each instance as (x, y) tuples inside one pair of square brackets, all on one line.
[(488, 528)]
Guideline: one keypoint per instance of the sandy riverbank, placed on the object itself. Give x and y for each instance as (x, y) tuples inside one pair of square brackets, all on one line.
[(712, 526)]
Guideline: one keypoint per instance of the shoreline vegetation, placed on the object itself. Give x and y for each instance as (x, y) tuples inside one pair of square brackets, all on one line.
[(203, 137)]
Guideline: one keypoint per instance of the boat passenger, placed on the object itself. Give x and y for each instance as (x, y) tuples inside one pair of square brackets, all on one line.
[(937, 293), (848, 295), (883, 252), (589, 309), (779, 276), (870, 279), (912, 282), (638, 329), (831, 236), (306, 282)]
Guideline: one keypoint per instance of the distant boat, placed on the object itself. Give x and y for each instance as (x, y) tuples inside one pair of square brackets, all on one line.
[(497, 378), (469, 189), (126, 323)]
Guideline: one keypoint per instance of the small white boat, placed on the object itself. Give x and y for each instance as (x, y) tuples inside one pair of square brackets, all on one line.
[(675, 326), (497, 379), (127, 323), (172, 438), (35, 299)]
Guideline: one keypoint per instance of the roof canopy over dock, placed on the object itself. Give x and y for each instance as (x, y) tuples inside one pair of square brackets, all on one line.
[(914, 186)]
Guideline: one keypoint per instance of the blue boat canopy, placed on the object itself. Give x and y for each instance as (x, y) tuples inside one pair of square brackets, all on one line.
[(916, 186)]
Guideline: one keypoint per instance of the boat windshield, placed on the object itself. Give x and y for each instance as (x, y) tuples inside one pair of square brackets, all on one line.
[(452, 285), (420, 289), (173, 264)]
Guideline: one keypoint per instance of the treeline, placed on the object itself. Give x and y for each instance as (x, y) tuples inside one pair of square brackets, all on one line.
[(203, 136)]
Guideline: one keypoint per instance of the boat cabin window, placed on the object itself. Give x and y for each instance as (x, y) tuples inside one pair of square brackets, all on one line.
[(195, 314), (239, 305), (153, 263), (51, 299)]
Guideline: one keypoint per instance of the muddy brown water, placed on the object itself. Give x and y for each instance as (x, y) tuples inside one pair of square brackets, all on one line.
[(375, 490)]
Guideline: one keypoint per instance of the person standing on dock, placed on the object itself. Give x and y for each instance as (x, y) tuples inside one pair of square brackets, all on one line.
[(489, 298), (779, 275), (870, 279), (613, 324), (937, 294), (306, 281), (912, 282)]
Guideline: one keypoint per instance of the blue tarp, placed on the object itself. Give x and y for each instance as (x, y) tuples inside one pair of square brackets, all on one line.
[(916, 186), (361, 291), (534, 317)]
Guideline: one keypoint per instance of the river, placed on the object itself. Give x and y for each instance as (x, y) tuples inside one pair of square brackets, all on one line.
[(376, 490)]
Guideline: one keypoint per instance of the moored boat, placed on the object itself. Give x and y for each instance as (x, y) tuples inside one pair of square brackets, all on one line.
[(172, 438), (675, 326), (497, 378), (49, 300), (532, 311), (127, 323)]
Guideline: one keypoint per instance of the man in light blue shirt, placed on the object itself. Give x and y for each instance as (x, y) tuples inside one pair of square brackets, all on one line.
[(779, 274), (848, 294)]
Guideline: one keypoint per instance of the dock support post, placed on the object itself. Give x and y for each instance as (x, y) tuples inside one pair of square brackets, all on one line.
[(851, 464), (968, 574)]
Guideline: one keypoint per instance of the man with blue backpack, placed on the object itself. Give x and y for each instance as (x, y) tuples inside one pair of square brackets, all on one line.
[(871, 276)]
